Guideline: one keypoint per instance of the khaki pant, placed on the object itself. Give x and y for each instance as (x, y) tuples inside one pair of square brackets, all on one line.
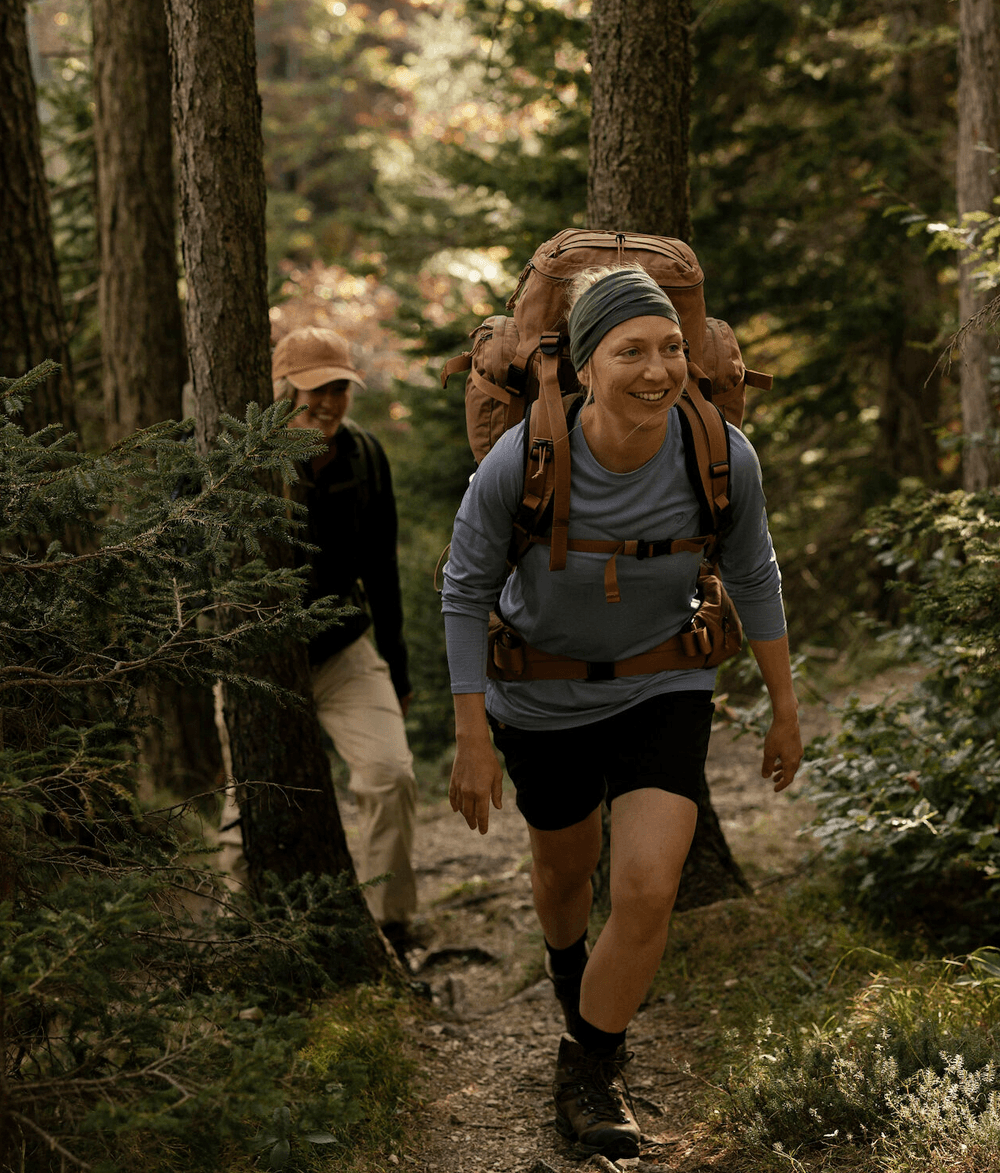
[(358, 709)]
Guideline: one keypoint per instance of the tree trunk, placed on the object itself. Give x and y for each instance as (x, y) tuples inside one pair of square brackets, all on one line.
[(641, 86), (179, 749), (32, 326), (910, 400), (291, 825), (910, 403), (710, 872), (142, 339), (221, 205), (143, 367), (978, 184), (638, 182)]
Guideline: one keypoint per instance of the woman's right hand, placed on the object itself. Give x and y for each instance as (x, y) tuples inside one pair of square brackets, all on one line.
[(476, 781), (476, 777)]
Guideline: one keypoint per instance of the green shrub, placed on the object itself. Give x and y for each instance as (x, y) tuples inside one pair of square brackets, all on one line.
[(355, 1051), (911, 1073), (908, 792), (148, 1019)]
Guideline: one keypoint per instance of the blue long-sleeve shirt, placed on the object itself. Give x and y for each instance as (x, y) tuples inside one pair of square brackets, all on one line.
[(566, 611)]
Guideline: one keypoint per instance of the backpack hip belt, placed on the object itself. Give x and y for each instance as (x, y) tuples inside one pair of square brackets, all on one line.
[(713, 635)]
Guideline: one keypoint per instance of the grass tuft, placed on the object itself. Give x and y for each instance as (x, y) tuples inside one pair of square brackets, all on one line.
[(834, 1054)]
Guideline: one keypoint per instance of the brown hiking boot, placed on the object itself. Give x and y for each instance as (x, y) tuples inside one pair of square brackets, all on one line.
[(590, 1105), (567, 990)]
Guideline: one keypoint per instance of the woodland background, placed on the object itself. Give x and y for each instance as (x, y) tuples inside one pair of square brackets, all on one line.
[(834, 165)]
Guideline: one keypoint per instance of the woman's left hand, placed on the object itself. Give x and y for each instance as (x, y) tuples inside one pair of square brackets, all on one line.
[(782, 751)]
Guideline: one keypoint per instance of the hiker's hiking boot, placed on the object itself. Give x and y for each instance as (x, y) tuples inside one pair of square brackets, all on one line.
[(591, 1106), (567, 990)]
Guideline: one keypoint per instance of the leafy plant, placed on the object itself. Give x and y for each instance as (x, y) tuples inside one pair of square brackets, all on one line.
[(908, 790), (145, 1013), (280, 1136)]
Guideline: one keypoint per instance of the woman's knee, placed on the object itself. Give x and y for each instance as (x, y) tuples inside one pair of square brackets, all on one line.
[(644, 901), (563, 872), (383, 781), (563, 860), (561, 878)]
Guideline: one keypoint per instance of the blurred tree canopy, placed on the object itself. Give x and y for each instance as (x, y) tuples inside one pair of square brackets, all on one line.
[(417, 152)]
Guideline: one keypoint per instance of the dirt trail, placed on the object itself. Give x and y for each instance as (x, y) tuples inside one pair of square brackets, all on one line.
[(486, 1053)]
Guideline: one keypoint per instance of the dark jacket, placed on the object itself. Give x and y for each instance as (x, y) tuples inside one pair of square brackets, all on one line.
[(352, 519)]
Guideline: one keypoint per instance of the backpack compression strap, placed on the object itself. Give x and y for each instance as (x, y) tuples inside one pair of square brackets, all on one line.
[(463, 362), (512, 395)]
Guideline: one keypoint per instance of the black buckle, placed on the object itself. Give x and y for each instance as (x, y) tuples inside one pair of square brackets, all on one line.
[(600, 670), (549, 344), (719, 469), (643, 549), (516, 379)]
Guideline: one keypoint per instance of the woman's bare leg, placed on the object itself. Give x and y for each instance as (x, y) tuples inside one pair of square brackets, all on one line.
[(651, 833), (562, 864)]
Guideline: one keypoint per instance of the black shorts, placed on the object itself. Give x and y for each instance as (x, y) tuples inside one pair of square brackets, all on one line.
[(561, 775)]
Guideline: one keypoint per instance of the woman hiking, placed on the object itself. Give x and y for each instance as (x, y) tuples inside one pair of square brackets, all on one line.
[(637, 741)]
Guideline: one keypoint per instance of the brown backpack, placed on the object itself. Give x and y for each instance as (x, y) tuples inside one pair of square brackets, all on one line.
[(520, 366), (505, 360)]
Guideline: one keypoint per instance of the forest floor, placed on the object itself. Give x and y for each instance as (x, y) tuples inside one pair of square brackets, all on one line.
[(485, 1050)]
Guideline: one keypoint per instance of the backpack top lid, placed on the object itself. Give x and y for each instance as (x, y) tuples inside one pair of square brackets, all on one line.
[(540, 300)]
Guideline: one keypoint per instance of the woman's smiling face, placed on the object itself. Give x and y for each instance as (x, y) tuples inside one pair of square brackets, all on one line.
[(638, 369), (325, 406)]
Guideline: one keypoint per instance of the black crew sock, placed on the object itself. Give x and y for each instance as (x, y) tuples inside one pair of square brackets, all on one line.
[(598, 1042), (566, 962)]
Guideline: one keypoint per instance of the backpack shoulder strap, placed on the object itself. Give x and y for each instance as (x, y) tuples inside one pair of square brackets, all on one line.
[(536, 513), (365, 462), (551, 409), (707, 455)]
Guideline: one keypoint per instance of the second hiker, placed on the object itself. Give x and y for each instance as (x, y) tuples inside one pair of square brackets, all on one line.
[(361, 694)]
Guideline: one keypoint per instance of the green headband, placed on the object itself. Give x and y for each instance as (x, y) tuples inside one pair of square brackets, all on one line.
[(623, 294)]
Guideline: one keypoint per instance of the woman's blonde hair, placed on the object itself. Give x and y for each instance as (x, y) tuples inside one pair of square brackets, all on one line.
[(587, 277)]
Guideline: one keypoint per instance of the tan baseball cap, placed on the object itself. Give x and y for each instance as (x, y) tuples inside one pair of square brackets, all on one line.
[(310, 356)]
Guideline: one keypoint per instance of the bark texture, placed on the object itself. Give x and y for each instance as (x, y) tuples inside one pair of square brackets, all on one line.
[(910, 402), (32, 326), (638, 182), (221, 205), (639, 132), (710, 871), (180, 747), (142, 340), (143, 366), (291, 825), (978, 184)]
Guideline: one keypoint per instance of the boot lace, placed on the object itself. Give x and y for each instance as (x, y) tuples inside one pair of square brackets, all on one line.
[(598, 1090)]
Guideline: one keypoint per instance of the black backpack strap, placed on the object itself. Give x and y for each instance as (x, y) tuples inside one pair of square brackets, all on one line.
[(366, 465)]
